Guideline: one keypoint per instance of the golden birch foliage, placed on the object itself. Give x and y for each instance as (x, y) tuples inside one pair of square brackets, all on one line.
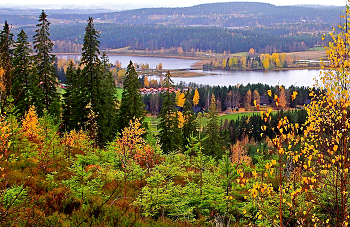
[(312, 170), (181, 119), (276, 59), (266, 63), (265, 59), (243, 61), (181, 100), (283, 58), (224, 63), (30, 125), (77, 141), (196, 98), (132, 146), (146, 82)]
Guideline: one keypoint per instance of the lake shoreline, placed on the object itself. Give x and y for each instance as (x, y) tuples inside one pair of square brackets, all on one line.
[(199, 64)]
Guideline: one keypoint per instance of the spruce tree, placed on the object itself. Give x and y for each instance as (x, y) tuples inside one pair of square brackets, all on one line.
[(131, 103), (6, 41), (46, 96), (169, 131), (97, 90), (72, 99), (212, 144), (189, 128), (22, 74), (107, 118)]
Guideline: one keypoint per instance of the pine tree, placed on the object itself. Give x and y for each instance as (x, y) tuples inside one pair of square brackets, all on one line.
[(22, 73), (5, 63), (46, 96), (131, 103), (212, 144), (169, 131)]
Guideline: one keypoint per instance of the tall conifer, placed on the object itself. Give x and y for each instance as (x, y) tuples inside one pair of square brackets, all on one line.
[(131, 103), (98, 91), (107, 113), (72, 99), (6, 41), (169, 131), (46, 96), (189, 128), (213, 145), (22, 74)]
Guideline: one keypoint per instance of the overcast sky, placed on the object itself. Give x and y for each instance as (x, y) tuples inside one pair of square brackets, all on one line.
[(122, 4)]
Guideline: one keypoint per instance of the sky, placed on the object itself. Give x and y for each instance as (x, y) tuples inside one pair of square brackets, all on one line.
[(132, 4)]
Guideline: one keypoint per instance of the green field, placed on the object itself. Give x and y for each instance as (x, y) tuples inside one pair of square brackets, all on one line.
[(317, 48), (153, 120)]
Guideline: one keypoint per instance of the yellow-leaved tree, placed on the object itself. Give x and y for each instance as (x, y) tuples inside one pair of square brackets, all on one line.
[(181, 100), (306, 183), (195, 98)]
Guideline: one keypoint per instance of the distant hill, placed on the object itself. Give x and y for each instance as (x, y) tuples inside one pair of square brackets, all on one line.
[(229, 14), (232, 26)]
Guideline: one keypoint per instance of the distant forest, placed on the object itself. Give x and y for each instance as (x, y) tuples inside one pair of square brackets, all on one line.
[(154, 37), (231, 27)]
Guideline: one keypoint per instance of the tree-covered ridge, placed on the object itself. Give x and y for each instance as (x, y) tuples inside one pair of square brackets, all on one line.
[(228, 14), (151, 37)]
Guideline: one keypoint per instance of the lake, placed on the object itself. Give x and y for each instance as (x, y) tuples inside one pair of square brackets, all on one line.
[(287, 78), (303, 77)]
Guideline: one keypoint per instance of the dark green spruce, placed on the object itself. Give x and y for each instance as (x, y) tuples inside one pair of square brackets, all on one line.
[(169, 132), (131, 105), (22, 74), (212, 144), (189, 128), (46, 82), (97, 90), (6, 41)]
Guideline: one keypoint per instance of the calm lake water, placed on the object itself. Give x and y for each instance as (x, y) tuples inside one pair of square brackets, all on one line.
[(287, 78), (220, 77)]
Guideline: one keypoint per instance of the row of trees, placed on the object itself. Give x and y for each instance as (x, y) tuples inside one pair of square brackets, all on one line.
[(233, 97), (252, 61), (89, 99)]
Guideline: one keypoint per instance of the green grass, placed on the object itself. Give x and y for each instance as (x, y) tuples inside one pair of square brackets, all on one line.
[(317, 48), (240, 54), (234, 116)]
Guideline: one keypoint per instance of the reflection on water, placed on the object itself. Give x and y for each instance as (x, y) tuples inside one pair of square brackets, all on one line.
[(287, 78)]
